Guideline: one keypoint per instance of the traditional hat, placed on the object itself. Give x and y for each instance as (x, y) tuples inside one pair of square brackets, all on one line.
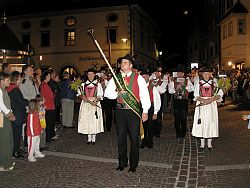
[(130, 58), (206, 69), (145, 72), (181, 68), (91, 70), (152, 68)]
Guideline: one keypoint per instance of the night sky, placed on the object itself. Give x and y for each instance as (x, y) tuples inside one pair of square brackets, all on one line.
[(170, 18)]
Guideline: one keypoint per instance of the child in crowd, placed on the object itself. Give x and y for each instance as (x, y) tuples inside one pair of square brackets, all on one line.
[(41, 111), (34, 130), (246, 117)]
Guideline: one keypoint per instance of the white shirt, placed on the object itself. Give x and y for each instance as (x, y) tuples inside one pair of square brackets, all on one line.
[(3, 108), (111, 93), (161, 88), (189, 86), (157, 100)]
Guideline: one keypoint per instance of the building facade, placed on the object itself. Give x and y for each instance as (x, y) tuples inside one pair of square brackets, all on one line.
[(60, 40), (214, 39), (235, 39)]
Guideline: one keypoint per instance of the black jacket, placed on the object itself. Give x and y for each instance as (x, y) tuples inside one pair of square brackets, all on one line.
[(18, 104)]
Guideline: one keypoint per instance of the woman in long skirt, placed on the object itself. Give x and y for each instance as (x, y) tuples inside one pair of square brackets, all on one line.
[(90, 120), (205, 125)]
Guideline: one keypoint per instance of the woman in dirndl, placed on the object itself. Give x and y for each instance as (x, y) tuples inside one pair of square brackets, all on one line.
[(207, 94), (90, 120)]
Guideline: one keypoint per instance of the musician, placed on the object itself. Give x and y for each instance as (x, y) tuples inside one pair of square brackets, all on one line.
[(90, 119), (127, 118), (155, 99), (161, 86), (180, 88)]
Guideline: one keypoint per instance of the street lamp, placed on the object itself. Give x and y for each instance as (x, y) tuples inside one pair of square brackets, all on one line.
[(124, 40), (160, 52)]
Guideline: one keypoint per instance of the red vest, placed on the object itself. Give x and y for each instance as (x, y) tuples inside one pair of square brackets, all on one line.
[(135, 87), (206, 91), (35, 123)]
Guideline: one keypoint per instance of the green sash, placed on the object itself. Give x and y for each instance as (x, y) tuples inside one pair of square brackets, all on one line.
[(129, 98)]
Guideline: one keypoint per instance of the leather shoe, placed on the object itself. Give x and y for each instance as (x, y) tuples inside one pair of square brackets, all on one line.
[(132, 170), (17, 155), (201, 149), (88, 142), (121, 168), (210, 148), (93, 143)]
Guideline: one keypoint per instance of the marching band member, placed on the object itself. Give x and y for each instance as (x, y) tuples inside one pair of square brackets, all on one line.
[(180, 88), (155, 99), (128, 112), (161, 86)]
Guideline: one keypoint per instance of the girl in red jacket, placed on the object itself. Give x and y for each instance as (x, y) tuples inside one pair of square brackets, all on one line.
[(34, 130)]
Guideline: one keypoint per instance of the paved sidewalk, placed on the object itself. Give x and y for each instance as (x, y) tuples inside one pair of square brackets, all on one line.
[(70, 162)]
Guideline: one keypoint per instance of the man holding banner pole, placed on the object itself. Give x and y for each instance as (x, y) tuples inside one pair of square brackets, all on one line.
[(133, 103)]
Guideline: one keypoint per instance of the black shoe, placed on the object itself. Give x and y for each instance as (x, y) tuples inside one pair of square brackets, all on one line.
[(121, 168), (42, 148), (210, 148), (17, 155), (132, 170), (201, 149), (88, 142), (22, 152), (142, 146), (93, 143)]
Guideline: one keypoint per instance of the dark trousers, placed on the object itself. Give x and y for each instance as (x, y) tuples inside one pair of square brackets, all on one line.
[(127, 122), (159, 118), (108, 107), (180, 114), (17, 135), (58, 114), (50, 117), (148, 128)]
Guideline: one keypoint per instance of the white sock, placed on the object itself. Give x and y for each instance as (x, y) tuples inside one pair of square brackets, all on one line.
[(89, 137), (93, 137), (202, 142), (209, 142)]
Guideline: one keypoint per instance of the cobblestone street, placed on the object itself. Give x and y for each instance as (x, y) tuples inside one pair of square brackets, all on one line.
[(173, 162)]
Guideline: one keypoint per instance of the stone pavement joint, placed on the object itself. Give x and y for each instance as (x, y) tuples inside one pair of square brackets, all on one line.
[(228, 167), (105, 160)]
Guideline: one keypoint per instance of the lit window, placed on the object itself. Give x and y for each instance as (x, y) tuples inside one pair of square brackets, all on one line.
[(242, 26), (70, 38)]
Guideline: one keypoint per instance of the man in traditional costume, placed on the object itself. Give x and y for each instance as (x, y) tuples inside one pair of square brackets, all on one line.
[(207, 94), (90, 120), (132, 94), (180, 88), (156, 79), (155, 99)]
